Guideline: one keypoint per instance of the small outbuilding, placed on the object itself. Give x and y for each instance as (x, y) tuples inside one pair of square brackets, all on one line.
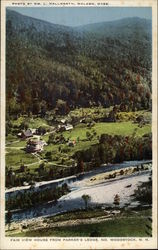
[(71, 143), (26, 133), (62, 128)]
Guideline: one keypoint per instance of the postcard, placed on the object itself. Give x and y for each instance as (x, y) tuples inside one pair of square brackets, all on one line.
[(78, 124)]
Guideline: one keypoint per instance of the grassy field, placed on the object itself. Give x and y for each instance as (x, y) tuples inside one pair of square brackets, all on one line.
[(123, 227), (61, 154), (127, 225), (119, 128), (79, 214), (94, 213), (15, 156), (32, 122), (20, 143), (11, 138)]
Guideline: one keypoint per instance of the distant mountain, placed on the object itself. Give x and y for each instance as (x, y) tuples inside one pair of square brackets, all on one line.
[(53, 66), (25, 22), (113, 28)]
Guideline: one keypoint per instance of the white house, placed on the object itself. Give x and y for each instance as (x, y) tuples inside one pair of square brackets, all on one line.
[(35, 146), (68, 127), (65, 127)]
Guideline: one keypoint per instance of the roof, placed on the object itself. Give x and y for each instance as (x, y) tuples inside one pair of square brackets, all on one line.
[(70, 143), (27, 132), (63, 120), (68, 126), (33, 142)]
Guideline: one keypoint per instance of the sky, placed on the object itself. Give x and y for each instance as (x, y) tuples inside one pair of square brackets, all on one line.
[(75, 16)]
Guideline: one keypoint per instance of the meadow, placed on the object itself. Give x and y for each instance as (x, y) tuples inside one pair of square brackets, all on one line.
[(16, 155), (128, 224), (59, 156)]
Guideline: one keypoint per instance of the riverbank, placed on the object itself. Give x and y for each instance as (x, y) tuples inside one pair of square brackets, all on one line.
[(101, 193), (105, 168), (85, 223), (69, 210)]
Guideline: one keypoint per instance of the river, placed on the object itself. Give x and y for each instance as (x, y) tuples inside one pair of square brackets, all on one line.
[(102, 193), (71, 179)]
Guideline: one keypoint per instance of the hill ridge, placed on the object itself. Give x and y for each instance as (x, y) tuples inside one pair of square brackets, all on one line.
[(50, 66)]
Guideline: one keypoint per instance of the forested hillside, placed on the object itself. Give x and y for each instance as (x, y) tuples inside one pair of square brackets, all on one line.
[(50, 66)]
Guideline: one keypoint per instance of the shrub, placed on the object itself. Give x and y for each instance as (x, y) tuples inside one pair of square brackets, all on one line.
[(48, 155), (24, 125), (88, 135), (95, 233), (65, 149), (121, 172), (23, 168), (86, 198), (117, 199), (144, 193)]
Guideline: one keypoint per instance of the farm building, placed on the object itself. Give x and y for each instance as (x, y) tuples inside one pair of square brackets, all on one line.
[(35, 146), (26, 133), (68, 127), (62, 128), (71, 143)]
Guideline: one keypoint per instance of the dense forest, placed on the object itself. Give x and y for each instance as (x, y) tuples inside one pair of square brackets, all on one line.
[(50, 66)]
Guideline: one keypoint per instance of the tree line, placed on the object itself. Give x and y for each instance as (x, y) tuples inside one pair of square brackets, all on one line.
[(77, 72), (28, 199)]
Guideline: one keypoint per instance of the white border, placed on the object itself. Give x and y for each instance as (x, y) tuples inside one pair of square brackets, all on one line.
[(139, 243)]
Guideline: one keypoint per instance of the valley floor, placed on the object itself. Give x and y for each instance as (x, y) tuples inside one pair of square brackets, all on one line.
[(70, 212), (69, 215), (102, 223)]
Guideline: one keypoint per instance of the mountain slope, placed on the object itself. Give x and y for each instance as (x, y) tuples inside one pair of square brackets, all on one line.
[(53, 66)]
